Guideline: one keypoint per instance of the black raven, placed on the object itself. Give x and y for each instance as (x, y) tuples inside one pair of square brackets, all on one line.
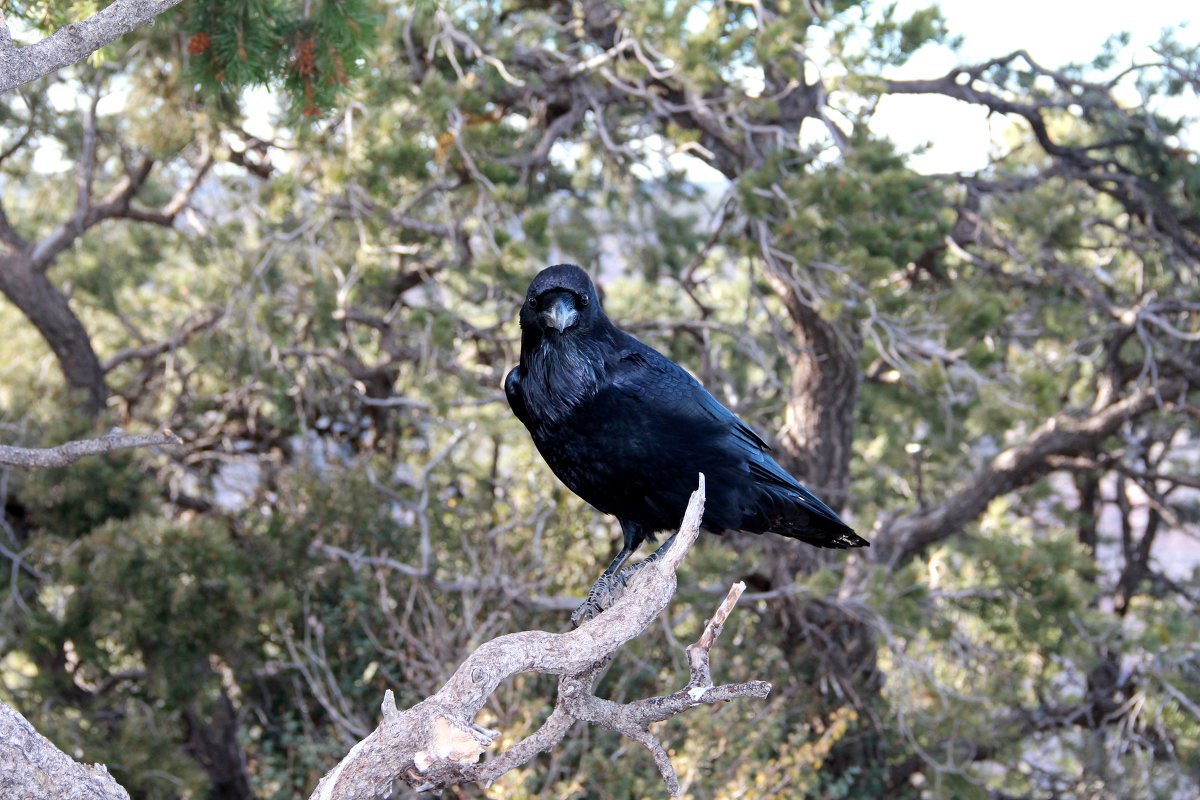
[(627, 429)]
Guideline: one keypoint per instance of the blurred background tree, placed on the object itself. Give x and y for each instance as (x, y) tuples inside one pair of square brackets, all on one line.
[(991, 373)]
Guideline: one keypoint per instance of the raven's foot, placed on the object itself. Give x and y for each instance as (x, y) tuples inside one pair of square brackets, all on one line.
[(627, 574), (601, 597)]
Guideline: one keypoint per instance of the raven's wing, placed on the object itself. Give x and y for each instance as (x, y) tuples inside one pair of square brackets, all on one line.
[(648, 374), (512, 390), (777, 502)]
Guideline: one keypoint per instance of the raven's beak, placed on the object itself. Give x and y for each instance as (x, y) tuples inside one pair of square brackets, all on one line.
[(561, 313)]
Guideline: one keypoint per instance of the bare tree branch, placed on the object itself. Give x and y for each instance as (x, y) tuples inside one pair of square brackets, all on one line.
[(87, 159), (165, 216), (1097, 164), (149, 351), (8, 234), (69, 453), (1146, 479), (113, 204), (72, 43), (436, 743), (118, 204), (24, 137), (1061, 435)]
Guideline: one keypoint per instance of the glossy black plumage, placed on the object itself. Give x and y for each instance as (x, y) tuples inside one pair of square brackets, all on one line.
[(628, 430)]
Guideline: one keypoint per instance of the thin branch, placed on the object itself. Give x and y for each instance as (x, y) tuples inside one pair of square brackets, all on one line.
[(87, 161), (72, 43), (9, 234), (513, 591), (69, 453), (118, 204), (24, 137), (113, 205), (633, 719), (149, 351), (261, 168), (1146, 479), (165, 216)]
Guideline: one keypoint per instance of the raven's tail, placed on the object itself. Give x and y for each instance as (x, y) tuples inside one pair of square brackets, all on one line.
[(799, 520), (783, 505)]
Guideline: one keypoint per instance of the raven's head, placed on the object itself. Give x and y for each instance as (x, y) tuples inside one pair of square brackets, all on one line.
[(560, 300)]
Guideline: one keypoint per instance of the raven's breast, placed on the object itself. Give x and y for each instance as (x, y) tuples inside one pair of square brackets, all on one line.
[(637, 466)]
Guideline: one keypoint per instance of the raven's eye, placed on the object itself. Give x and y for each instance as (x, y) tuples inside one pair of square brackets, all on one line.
[(533, 302), (583, 301)]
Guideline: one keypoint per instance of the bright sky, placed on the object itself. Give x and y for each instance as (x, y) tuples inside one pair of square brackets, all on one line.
[(960, 136), (1054, 32)]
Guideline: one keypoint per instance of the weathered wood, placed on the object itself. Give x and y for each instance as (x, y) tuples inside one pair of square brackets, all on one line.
[(32, 767), (437, 743)]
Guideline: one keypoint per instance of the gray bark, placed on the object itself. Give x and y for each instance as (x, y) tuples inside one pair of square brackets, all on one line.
[(69, 453), (818, 434), (72, 43), (32, 768)]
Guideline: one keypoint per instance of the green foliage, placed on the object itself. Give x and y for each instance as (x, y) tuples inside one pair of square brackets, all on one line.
[(313, 48), (163, 596), (71, 501)]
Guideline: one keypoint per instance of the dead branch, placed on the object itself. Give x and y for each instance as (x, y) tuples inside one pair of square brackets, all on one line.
[(69, 453), (436, 743)]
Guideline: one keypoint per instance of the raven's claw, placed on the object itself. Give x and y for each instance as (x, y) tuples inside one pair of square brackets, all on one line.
[(610, 585), (602, 596)]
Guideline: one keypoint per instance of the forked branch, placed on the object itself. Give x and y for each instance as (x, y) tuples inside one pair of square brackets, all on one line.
[(436, 743)]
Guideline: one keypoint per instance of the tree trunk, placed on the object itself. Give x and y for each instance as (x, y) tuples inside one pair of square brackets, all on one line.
[(213, 743), (818, 431), (50, 312)]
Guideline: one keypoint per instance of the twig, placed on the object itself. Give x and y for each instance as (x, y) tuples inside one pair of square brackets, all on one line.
[(69, 453), (150, 351), (633, 719)]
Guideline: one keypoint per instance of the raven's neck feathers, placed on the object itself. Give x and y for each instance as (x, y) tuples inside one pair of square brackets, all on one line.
[(561, 372)]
